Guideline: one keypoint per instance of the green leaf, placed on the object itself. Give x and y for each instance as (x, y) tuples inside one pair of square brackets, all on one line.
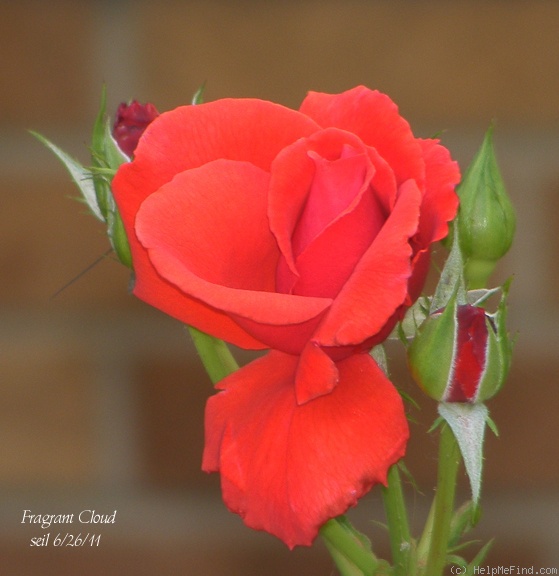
[(83, 177)]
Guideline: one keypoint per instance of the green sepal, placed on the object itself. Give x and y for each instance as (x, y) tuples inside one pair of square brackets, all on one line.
[(467, 422), (114, 156), (83, 177), (451, 282), (378, 353), (431, 353), (492, 425), (117, 236), (198, 97), (499, 351), (106, 158), (415, 315), (97, 148), (94, 182)]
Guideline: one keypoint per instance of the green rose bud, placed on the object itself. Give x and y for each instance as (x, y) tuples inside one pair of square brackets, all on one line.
[(487, 220), (461, 354)]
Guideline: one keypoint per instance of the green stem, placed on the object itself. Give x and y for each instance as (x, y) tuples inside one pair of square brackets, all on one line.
[(477, 273), (347, 550), (398, 527), (449, 460), (215, 355)]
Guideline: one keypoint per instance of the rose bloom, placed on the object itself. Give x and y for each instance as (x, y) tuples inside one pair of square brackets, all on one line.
[(304, 232), (130, 122)]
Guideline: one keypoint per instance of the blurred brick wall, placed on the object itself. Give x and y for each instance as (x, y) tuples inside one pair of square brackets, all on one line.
[(101, 398)]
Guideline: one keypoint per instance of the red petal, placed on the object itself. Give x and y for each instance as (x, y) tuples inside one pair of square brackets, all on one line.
[(207, 233), (379, 284), (235, 129), (187, 137), (288, 468), (375, 119), (292, 176), (440, 202), (316, 375), (470, 356), (327, 263), (324, 188)]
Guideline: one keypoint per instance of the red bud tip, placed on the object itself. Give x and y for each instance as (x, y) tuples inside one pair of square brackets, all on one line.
[(131, 121)]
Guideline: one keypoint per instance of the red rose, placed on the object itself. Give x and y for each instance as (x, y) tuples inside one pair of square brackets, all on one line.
[(131, 121), (307, 232)]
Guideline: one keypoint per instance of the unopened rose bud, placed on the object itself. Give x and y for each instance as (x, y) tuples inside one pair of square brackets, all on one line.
[(131, 121), (487, 221), (461, 354)]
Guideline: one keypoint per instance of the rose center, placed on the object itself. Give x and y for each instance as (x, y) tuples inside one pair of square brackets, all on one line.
[(336, 184)]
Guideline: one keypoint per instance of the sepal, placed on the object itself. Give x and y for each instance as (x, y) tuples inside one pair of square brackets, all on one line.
[(451, 282), (198, 97), (83, 177), (94, 183), (467, 422), (106, 157)]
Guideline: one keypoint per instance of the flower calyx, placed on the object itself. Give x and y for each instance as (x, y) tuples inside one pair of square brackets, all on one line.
[(462, 352)]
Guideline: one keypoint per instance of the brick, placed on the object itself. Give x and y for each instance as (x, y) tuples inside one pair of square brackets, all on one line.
[(46, 419), (525, 412), (172, 396), (446, 63), (47, 239), (550, 242), (45, 56)]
